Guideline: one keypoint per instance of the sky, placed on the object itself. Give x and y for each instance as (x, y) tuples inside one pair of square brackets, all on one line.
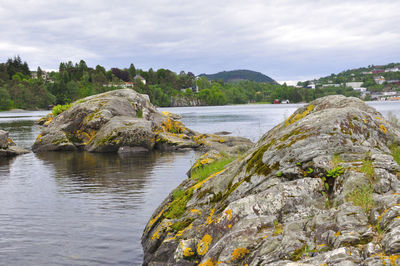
[(288, 40)]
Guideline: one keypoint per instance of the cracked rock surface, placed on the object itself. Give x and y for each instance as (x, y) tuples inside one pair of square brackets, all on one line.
[(320, 188)]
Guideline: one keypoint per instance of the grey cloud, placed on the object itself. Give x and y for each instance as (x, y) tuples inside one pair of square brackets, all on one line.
[(285, 39)]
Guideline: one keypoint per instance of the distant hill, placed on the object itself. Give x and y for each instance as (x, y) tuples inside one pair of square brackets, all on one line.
[(238, 75)]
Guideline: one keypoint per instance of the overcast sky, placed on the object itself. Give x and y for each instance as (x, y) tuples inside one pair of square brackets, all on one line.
[(284, 39)]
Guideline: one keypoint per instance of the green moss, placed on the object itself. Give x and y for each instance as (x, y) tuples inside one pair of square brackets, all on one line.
[(178, 204), (217, 197), (203, 193), (256, 162), (278, 228), (139, 113), (178, 226)]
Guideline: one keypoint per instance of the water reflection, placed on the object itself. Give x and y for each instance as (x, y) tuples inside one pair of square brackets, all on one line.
[(78, 172)]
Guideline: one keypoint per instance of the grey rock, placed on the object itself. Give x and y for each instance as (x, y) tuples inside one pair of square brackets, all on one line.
[(8, 148), (287, 202), (116, 120)]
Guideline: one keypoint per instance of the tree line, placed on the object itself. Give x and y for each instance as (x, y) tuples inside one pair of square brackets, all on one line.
[(24, 89)]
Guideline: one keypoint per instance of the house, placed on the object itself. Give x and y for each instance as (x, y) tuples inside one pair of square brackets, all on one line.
[(360, 89), (128, 85), (44, 76), (139, 77), (377, 71), (354, 84), (330, 85), (394, 69), (311, 86), (379, 80)]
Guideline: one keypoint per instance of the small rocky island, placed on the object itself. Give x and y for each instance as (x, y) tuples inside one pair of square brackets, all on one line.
[(7, 147), (125, 121), (321, 188)]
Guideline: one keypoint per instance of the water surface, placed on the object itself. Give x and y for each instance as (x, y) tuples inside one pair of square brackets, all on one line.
[(77, 208)]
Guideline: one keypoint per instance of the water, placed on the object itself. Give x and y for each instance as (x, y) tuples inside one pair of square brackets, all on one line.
[(88, 209)]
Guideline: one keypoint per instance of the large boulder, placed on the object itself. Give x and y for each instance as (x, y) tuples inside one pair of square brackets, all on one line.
[(321, 188), (124, 121), (8, 147)]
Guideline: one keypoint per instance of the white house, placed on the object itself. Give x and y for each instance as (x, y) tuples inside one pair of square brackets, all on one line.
[(379, 80), (361, 89), (140, 78), (354, 84)]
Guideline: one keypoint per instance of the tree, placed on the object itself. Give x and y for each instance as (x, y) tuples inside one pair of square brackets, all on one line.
[(4, 99), (132, 71)]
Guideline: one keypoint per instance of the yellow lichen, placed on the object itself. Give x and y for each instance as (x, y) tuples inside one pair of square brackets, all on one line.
[(239, 253), (221, 140), (229, 226), (383, 128), (196, 211), (198, 185), (209, 218), (187, 252), (337, 234), (165, 226), (295, 117), (202, 246), (180, 233), (208, 262), (229, 214), (152, 221), (39, 137)]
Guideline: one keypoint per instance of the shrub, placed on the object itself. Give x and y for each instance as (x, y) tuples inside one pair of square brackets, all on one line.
[(58, 109)]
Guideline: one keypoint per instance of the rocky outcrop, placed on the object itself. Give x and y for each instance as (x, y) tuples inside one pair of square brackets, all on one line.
[(321, 188), (181, 101), (8, 147), (124, 121)]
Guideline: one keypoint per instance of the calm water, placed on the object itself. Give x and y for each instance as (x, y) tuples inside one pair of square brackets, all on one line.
[(88, 209)]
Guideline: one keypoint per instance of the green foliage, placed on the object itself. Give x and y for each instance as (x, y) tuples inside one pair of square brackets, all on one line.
[(4, 99), (205, 171), (58, 109), (362, 196), (335, 172), (279, 174)]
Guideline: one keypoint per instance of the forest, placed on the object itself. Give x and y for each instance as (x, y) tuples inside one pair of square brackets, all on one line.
[(21, 88)]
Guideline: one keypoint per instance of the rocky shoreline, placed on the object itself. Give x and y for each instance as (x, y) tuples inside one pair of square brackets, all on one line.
[(321, 188), (7, 147)]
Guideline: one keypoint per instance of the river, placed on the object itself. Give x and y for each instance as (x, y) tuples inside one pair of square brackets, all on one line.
[(77, 208)]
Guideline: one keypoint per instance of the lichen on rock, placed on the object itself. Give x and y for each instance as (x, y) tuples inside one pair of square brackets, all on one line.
[(321, 188), (124, 121)]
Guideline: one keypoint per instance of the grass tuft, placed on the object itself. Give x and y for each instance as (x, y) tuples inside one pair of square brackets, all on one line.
[(206, 170), (362, 196)]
